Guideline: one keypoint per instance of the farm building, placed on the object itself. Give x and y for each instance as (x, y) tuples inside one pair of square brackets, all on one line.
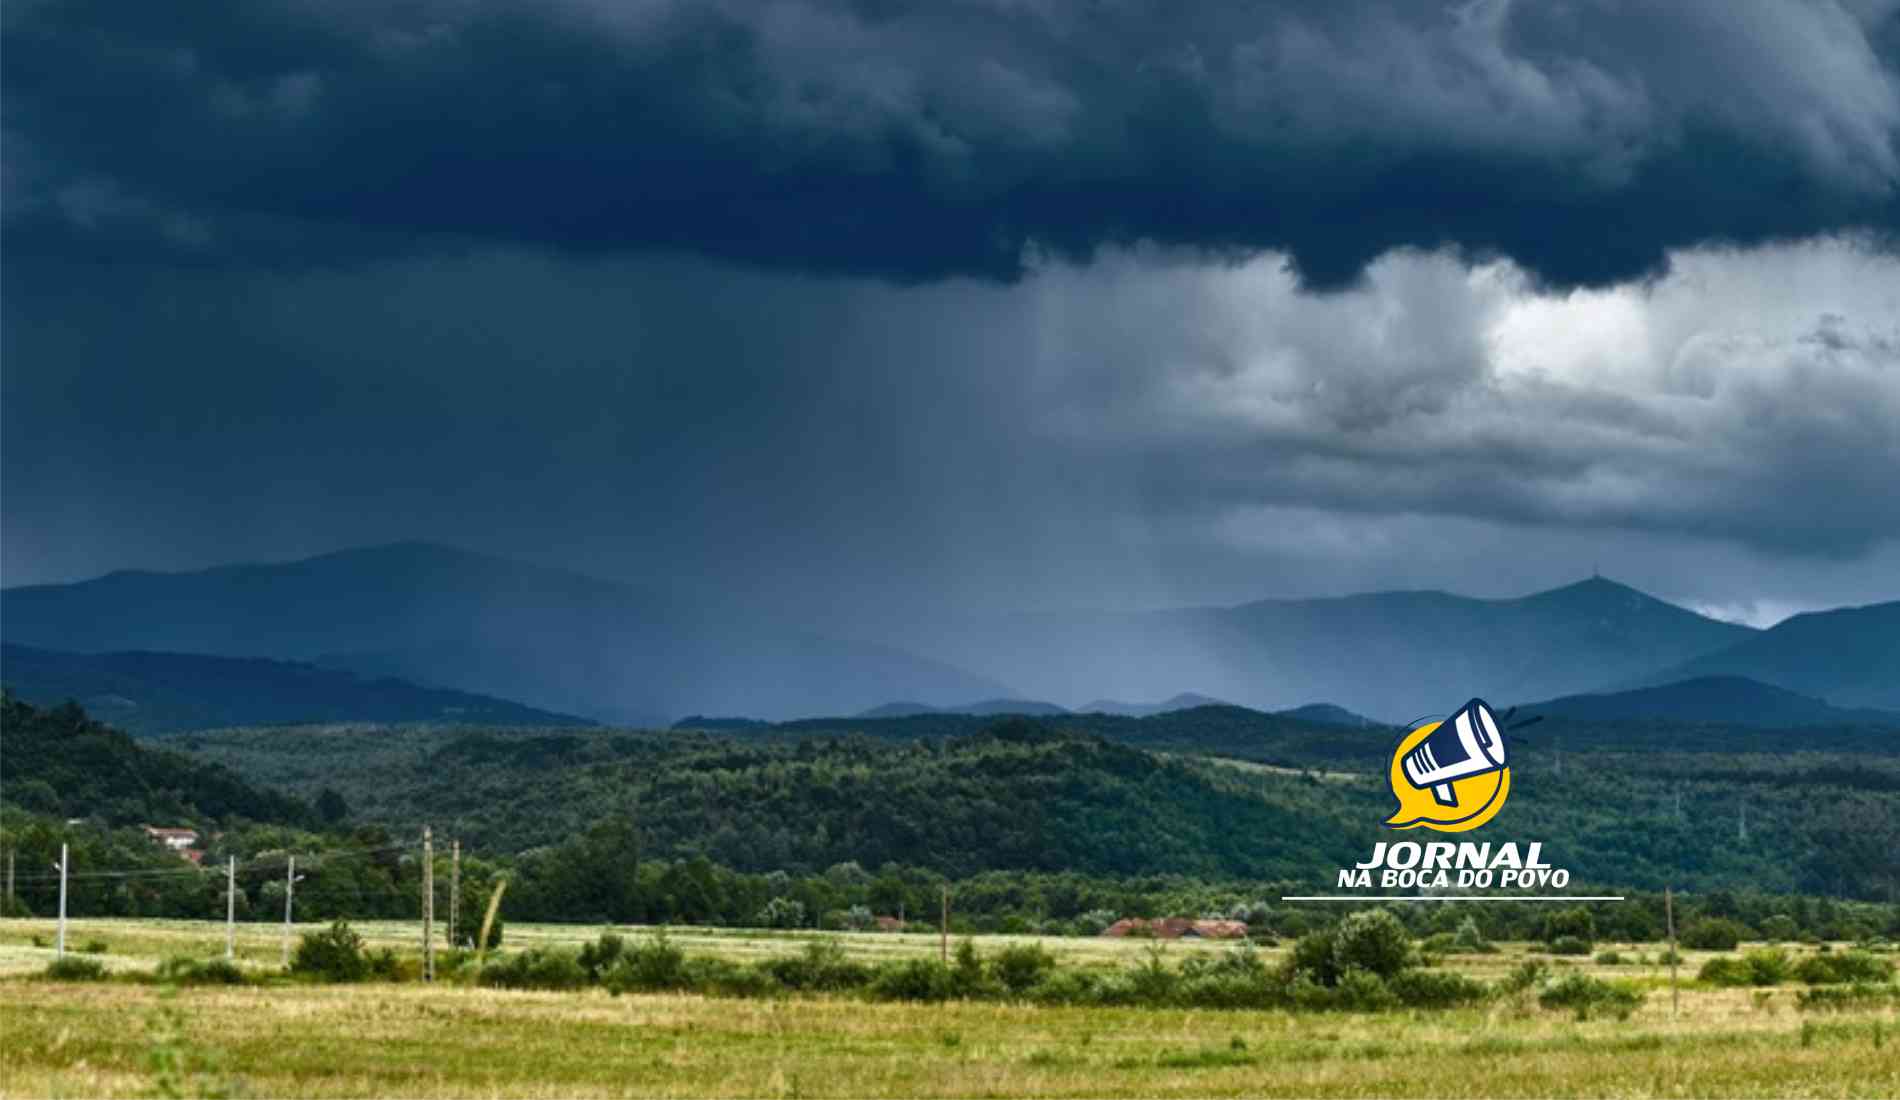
[(1175, 928)]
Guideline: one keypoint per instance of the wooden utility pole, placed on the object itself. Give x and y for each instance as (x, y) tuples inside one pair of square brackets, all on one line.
[(455, 888), (428, 905), (63, 858), (230, 907), (488, 921), (943, 928), (11, 900), (290, 887), (1669, 915)]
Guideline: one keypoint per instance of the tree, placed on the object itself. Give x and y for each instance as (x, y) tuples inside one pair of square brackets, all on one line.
[(331, 807), (1374, 941)]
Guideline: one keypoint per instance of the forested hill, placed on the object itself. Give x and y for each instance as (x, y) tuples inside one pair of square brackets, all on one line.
[(61, 763), (1023, 795)]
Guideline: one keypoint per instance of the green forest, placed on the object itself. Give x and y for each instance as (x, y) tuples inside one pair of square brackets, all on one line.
[(1033, 826)]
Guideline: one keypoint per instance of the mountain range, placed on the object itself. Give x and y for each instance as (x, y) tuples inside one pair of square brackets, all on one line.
[(151, 693), (556, 643), (442, 617)]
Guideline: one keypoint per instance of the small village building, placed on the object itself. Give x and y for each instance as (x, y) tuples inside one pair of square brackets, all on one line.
[(176, 839), (1178, 928)]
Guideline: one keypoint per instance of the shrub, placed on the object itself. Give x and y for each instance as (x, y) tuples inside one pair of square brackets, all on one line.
[(710, 974), (75, 968), (1019, 967), (1568, 945), (1363, 991), (1374, 941), (914, 980), (1768, 966), (1713, 934), (536, 968), (184, 970), (1610, 958), (1573, 923), (94, 947), (1093, 922), (1841, 998), (1668, 956), (334, 954), (653, 963), (1439, 943), (1528, 974), (1848, 966), (596, 957), (1312, 958), (1418, 988), (821, 967), (1469, 938), (1584, 995)]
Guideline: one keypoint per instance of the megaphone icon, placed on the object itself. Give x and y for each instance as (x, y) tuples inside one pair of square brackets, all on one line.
[(1467, 744)]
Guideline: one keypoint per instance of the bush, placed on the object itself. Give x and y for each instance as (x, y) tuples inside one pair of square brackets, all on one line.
[(1435, 988), (597, 957), (1768, 966), (914, 980), (1848, 966), (1713, 934), (334, 954), (1469, 939), (1312, 958), (94, 947), (184, 970), (1585, 995), (1842, 998), (651, 964), (536, 968), (1610, 958), (1568, 945), (821, 968), (1528, 974), (75, 968), (1019, 967), (1363, 991), (1573, 923), (713, 975), (1374, 941)]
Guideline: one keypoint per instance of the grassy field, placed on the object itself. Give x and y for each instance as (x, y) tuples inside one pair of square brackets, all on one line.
[(123, 1039)]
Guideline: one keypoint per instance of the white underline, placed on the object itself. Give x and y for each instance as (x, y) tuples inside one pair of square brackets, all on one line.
[(1433, 897)]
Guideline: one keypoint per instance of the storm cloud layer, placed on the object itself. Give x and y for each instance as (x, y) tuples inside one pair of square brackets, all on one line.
[(863, 316), (1581, 139)]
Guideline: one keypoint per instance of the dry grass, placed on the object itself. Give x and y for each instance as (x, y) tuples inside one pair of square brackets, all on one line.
[(412, 1040)]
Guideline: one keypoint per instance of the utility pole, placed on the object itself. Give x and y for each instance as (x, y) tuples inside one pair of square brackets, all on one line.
[(11, 899), (62, 901), (428, 905), (1560, 759), (230, 907), (290, 887), (455, 887), (1741, 825), (943, 945), (1669, 914)]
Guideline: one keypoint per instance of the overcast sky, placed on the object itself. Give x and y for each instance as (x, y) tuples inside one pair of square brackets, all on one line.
[(871, 310)]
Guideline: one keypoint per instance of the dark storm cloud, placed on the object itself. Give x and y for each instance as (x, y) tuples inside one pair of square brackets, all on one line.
[(920, 140)]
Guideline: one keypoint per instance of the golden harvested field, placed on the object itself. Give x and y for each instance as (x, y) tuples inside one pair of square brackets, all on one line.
[(123, 1039)]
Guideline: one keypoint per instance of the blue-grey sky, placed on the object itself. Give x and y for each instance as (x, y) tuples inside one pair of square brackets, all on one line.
[(870, 310)]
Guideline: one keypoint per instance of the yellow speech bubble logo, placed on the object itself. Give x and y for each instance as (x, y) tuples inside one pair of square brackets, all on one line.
[(1476, 799)]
